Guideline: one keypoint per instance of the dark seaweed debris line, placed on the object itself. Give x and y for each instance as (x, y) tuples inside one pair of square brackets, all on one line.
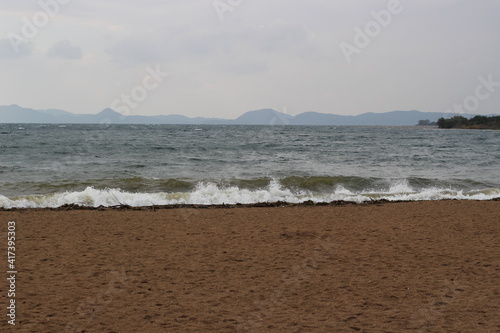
[(277, 204)]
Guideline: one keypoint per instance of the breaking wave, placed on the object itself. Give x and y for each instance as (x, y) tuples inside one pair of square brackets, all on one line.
[(210, 193)]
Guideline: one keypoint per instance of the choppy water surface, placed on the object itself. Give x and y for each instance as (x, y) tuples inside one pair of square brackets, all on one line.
[(52, 165)]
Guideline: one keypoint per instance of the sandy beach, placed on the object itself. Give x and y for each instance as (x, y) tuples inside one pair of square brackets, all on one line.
[(392, 267)]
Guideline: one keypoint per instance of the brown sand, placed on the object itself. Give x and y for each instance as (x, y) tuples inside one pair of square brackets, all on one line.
[(398, 267)]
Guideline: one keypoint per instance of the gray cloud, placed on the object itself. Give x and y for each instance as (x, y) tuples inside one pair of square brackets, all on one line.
[(64, 50), (13, 48)]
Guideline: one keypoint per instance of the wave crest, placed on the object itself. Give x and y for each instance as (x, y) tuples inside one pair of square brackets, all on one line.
[(209, 193)]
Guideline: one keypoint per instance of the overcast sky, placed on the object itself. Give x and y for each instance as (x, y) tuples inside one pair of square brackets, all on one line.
[(226, 57)]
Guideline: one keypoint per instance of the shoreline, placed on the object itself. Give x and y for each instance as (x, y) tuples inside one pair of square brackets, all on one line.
[(336, 203)]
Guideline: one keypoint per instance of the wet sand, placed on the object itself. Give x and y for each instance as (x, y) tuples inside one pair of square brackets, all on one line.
[(392, 267)]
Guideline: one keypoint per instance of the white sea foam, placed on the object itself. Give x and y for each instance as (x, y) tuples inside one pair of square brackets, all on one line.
[(400, 186), (212, 194)]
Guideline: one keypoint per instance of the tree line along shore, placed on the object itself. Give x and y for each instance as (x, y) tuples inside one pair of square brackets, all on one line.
[(477, 122)]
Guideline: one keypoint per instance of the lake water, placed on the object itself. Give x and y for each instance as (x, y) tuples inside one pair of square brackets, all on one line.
[(138, 165)]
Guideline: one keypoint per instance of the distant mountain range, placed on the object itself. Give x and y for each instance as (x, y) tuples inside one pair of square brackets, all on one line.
[(16, 114)]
